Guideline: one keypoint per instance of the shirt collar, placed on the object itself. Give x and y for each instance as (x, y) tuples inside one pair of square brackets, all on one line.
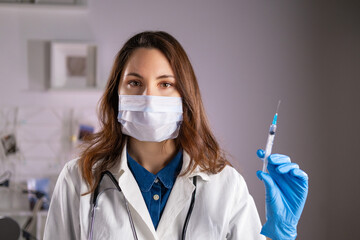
[(168, 174), (121, 169), (146, 179)]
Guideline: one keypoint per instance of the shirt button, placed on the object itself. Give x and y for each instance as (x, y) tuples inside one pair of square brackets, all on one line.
[(156, 197), (156, 180)]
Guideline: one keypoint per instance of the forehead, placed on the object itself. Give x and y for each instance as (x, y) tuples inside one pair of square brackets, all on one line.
[(148, 60)]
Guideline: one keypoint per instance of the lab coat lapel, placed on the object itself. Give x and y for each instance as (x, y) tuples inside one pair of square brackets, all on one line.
[(132, 193), (178, 200)]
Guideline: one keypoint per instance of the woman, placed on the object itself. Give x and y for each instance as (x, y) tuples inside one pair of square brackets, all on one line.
[(155, 170)]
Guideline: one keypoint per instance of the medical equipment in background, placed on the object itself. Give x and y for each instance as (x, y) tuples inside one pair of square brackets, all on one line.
[(29, 226), (5, 179), (270, 139), (6, 201), (10, 229), (98, 192)]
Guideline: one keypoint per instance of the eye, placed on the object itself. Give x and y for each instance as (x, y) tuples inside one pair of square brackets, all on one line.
[(134, 83), (166, 84)]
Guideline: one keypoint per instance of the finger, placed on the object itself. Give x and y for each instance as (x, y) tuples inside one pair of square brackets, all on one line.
[(269, 184), (259, 175), (260, 153), (297, 172), (277, 159), (286, 167)]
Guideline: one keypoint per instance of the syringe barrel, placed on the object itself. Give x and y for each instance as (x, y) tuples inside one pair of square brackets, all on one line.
[(269, 144), (272, 129)]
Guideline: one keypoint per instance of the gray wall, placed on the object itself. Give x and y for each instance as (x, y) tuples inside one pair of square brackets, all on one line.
[(247, 55)]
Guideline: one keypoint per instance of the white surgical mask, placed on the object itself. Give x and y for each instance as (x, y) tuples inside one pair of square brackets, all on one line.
[(150, 118)]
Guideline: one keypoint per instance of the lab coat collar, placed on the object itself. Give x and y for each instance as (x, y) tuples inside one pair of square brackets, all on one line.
[(197, 171), (123, 167), (132, 192), (180, 196), (178, 199)]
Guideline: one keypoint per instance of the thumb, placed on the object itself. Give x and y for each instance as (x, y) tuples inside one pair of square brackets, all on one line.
[(269, 183)]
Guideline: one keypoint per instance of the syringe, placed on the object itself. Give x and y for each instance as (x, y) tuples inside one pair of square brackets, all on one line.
[(270, 139)]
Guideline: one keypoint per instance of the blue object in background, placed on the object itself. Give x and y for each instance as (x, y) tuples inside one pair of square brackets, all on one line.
[(85, 130), (38, 188)]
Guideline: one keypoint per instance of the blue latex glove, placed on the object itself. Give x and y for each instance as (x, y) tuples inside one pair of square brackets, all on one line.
[(286, 189)]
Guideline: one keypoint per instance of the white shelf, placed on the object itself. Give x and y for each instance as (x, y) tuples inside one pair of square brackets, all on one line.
[(42, 6), (21, 213), (84, 89)]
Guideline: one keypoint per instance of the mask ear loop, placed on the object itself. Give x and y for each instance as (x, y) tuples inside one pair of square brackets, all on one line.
[(190, 210)]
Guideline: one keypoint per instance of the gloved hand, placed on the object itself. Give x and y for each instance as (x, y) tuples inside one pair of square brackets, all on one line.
[(286, 189)]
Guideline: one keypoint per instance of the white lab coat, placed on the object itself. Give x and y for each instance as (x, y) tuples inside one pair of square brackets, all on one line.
[(223, 208)]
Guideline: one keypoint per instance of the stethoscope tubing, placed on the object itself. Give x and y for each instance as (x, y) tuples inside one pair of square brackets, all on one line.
[(188, 215), (94, 202), (112, 178)]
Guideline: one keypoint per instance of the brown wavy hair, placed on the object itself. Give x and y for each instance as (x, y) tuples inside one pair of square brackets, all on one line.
[(102, 149)]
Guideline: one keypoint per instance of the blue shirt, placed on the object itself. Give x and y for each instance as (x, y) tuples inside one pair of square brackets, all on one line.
[(156, 188)]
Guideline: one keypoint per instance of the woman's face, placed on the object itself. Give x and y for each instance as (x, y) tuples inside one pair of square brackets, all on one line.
[(148, 72)]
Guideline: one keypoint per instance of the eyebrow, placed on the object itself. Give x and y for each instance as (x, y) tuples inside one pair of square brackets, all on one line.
[(165, 76), (134, 74), (159, 77)]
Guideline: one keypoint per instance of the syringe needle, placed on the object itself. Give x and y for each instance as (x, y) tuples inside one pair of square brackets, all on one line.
[(277, 108)]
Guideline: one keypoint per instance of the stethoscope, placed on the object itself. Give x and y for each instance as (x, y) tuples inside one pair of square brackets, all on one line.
[(97, 192)]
